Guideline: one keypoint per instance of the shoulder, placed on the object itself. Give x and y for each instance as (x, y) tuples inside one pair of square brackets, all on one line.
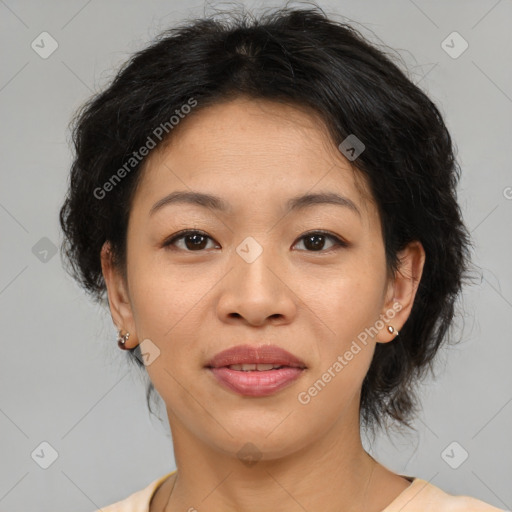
[(138, 501), (422, 496)]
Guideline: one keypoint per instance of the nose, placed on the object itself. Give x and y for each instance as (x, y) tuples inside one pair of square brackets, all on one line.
[(257, 293)]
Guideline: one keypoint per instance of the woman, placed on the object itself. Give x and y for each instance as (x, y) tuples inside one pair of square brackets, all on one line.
[(270, 207)]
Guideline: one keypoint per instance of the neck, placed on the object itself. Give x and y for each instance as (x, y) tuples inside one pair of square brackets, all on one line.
[(333, 474)]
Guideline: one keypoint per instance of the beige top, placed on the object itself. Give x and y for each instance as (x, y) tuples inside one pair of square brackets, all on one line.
[(420, 496)]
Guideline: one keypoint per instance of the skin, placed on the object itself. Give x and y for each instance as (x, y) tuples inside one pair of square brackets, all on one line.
[(192, 304)]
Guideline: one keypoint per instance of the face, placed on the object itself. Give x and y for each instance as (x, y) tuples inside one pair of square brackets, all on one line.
[(307, 276)]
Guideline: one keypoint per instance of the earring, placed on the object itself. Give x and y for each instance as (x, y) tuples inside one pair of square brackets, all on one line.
[(121, 340), (391, 330)]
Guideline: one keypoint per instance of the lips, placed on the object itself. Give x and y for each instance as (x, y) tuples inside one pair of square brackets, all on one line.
[(247, 355), (256, 371)]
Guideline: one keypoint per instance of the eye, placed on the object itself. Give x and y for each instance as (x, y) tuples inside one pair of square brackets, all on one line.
[(314, 241), (193, 240)]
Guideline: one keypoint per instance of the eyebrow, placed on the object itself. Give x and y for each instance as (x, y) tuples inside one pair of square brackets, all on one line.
[(216, 203)]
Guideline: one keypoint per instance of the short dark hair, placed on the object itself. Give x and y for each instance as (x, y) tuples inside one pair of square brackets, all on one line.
[(300, 57)]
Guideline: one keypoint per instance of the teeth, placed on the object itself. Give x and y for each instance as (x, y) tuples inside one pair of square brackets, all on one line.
[(251, 367), (268, 366)]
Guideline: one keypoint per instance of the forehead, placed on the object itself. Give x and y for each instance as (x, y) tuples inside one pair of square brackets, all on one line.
[(263, 149)]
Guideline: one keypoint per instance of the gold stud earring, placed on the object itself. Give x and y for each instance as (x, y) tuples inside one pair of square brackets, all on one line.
[(392, 330), (122, 339)]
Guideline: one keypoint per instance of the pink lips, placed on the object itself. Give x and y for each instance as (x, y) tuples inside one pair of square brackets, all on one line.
[(256, 383)]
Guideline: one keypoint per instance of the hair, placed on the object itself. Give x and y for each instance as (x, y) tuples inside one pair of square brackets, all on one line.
[(299, 57)]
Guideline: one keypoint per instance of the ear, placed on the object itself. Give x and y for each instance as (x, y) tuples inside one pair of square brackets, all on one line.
[(118, 297), (401, 291)]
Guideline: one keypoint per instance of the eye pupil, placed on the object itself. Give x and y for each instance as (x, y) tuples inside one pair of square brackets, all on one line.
[(198, 241), (316, 244)]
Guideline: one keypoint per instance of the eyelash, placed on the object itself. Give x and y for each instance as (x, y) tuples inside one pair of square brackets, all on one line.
[(338, 242)]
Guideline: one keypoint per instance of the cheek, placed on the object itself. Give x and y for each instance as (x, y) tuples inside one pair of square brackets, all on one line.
[(347, 301), (344, 356), (164, 312), (336, 385), (161, 296), (168, 309)]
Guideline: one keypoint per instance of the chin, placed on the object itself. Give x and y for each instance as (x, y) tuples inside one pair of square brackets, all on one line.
[(250, 442)]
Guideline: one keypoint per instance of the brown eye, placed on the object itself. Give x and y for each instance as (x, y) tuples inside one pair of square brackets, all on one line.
[(196, 241), (192, 240), (315, 241)]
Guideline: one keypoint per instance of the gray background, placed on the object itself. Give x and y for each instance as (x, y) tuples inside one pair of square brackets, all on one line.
[(62, 378)]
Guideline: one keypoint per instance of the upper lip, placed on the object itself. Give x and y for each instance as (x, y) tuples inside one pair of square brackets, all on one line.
[(247, 354)]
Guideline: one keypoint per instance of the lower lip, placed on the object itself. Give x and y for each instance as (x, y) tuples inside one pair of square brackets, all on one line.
[(256, 383)]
